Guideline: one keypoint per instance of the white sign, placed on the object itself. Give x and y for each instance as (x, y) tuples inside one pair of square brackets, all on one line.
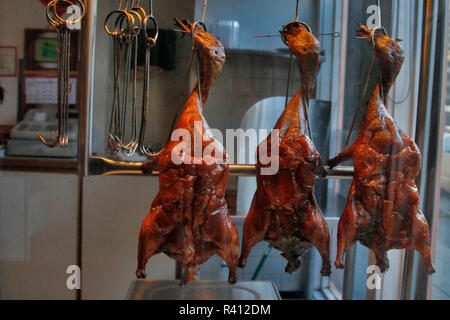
[(7, 61)]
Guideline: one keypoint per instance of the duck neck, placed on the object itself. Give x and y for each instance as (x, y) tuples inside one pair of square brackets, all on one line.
[(294, 116), (194, 99), (203, 92), (384, 92), (376, 100)]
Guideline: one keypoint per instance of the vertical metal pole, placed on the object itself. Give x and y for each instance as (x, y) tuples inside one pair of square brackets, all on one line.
[(338, 113), (342, 74), (374, 294), (86, 83), (349, 273), (347, 293), (84, 120), (444, 81)]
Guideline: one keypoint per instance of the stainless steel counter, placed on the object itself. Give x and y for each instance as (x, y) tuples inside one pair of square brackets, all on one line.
[(143, 289)]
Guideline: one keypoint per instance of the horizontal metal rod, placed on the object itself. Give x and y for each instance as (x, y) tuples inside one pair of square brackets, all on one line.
[(101, 166), (239, 219)]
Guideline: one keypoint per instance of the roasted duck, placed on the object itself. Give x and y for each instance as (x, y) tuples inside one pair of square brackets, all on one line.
[(189, 219), (382, 210), (284, 211)]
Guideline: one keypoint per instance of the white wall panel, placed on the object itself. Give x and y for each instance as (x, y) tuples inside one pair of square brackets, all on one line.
[(38, 225), (113, 210)]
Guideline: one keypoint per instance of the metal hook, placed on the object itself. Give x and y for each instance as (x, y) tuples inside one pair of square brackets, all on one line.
[(121, 32), (119, 21), (134, 16), (304, 99), (150, 6), (150, 41), (374, 30), (379, 13), (64, 87), (136, 20), (66, 21), (188, 69), (203, 25), (379, 26), (296, 23)]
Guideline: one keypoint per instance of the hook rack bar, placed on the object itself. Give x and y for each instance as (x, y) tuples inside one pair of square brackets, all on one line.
[(102, 166), (333, 34)]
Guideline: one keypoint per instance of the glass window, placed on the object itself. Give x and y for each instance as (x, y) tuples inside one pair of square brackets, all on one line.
[(441, 283), (106, 194)]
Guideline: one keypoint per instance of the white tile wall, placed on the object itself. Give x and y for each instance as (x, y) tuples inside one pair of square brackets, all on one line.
[(246, 78)]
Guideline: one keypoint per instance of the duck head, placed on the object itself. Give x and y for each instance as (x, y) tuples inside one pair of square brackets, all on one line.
[(306, 48), (211, 55), (390, 55)]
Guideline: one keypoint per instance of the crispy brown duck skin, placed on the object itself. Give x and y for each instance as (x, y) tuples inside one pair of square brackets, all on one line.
[(382, 210), (284, 211), (189, 219)]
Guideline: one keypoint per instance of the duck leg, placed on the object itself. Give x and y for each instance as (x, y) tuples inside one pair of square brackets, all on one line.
[(316, 231), (341, 157), (421, 237), (255, 229), (154, 233), (349, 225)]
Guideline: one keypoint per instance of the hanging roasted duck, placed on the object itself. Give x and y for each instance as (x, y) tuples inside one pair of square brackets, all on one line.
[(382, 210), (284, 211), (189, 219)]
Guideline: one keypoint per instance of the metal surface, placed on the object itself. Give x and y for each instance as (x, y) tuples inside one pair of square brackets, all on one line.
[(34, 148), (24, 140), (142, 289), (101, 166)]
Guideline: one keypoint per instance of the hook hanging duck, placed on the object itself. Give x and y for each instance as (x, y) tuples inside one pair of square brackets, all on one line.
[(189, 219), (382, 210), (284, 211)]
